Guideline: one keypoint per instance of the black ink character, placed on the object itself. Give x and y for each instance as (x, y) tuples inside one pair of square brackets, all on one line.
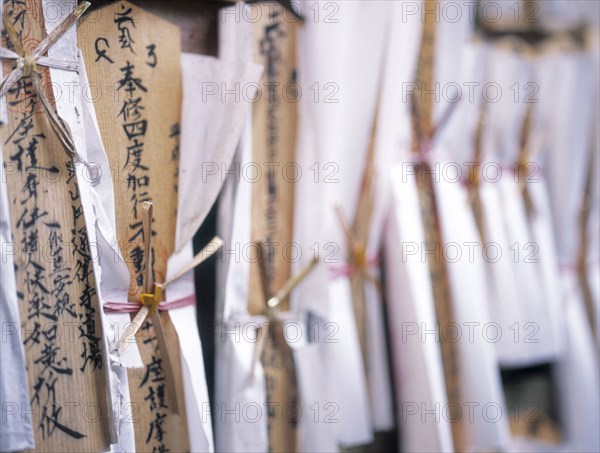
[(130, 82), (152, 55), (123, 19), (101, 53)]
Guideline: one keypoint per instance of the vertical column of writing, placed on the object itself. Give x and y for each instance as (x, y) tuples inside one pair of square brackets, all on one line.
[(134, 126), (174, 135), (153, 385), (274, 141), (42, 283), (89, 334)]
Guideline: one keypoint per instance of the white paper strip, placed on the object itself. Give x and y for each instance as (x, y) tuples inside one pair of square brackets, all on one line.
[(210, 129), (192, 362), (234, 349), (526, 316), (211, 125), (479, 370), (235, 45), (419, 377), (239, 379), (566, 168), (329, 132), (578, 374), (319, 408)]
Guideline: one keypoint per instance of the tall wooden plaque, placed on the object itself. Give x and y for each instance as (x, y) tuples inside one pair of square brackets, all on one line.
[(133, 60), (58, 304), (274, 143)]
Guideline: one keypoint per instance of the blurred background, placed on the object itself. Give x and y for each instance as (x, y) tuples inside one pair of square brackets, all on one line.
[(515, 89)]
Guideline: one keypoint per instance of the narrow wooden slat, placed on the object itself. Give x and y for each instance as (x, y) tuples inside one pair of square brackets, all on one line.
[(274, 139), (133, 58), (58, 304), (423, 130)]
